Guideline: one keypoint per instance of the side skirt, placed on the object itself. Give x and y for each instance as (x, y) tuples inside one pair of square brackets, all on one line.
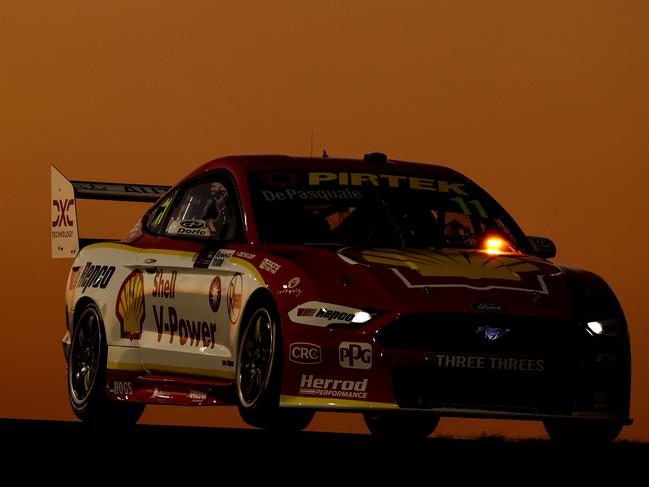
[(136, 386)]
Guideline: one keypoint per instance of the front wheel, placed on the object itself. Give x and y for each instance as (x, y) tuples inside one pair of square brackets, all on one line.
[(87, 375), (259, 372), (402, 426), (582, 432)]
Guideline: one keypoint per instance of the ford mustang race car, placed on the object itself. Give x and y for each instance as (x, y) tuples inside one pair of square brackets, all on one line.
[(289, 285)]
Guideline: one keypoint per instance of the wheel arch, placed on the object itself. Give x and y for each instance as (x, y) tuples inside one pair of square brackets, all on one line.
[(259, 295), (79, 306)]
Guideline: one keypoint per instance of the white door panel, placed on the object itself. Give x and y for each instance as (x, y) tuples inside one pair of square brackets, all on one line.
[(185, 329)]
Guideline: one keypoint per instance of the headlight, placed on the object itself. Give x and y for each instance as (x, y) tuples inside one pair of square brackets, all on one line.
[(316, 313), (595, 327), (609, 327)]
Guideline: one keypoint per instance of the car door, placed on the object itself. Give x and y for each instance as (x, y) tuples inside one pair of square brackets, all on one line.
[(187, 326)]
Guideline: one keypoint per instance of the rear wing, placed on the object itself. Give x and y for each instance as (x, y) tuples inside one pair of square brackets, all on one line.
[(65, 231)]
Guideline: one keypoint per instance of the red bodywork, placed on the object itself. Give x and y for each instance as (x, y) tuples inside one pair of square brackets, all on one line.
[(365, 278)]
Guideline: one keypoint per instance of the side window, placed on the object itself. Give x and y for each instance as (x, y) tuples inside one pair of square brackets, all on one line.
[(206, 209), (156, 218)]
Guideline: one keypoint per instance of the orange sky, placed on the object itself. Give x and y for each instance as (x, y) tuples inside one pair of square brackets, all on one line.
[(546, 104)]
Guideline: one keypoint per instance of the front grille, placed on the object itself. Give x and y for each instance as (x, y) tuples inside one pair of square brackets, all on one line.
[(555, 387), (552, 391), (461, 333)]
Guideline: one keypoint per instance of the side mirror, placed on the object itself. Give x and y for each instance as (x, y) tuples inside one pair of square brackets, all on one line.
[(543, 247)]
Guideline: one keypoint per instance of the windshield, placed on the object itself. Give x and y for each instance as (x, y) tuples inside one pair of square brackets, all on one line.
[(376, 208)]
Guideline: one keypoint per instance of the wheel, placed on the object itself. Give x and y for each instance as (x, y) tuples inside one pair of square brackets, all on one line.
[(582, 432), (402, 426), (259, 373), (87, 375)]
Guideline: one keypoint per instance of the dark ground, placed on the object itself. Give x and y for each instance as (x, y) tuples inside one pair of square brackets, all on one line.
[(200, 454)]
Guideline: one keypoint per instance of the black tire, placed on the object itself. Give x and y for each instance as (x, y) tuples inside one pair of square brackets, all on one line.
[(401, 426), (259, 373), (87, 375), (582, 432)]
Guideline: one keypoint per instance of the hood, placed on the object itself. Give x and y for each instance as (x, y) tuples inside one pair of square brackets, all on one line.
[(426, 280)]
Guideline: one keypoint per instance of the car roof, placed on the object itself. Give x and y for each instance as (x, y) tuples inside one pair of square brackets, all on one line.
[(253, 163)]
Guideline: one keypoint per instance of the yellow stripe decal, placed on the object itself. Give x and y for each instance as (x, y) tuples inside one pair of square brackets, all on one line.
[(125, 366), (251, 268), (333, 403), (221, 374)]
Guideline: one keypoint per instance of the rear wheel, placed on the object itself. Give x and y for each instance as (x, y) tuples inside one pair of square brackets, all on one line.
[(582, 432), (87, 375), (402, 426), (259, 372)]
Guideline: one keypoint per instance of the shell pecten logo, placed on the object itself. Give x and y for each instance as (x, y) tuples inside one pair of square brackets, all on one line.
[(130, 306), (466, 265)]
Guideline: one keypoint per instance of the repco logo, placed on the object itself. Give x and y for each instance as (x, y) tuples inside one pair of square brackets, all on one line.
[(305, 353), (331, 314), (63, 207), (355, 355), (95, 276)]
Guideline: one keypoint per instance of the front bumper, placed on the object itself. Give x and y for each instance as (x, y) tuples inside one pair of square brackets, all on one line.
[(439, 364)]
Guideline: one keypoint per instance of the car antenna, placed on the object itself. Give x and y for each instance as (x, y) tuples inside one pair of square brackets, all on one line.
[(311, 143)]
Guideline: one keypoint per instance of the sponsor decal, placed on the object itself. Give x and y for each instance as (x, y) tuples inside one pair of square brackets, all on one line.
[(63, 219), (270, 266), (121, 388), (307, 311), (164, 287), (334, 315), (316, 313), (160, 394), (130, 306), (221, 256), (95, 276), (386, 180), (352, 355), (489, 306), (121, 188), (227, 363), (305, 353), (204, 258), (246, 255), (192, 224), (197, 396), (321, 194), (488, 363), (235, 291), (193, 227), (212, 258), (294, 293), (492, 334), (416, 268), (290, 288), (183, 330), (346, 389), (214, 294)]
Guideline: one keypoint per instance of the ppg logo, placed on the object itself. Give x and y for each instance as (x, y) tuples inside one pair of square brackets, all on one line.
[(353, 355), (305, 353)]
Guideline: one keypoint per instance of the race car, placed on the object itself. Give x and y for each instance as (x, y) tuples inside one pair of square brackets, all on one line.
[(289, 285)]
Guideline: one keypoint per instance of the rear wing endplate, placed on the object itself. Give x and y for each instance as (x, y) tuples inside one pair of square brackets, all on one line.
[(65, 231)]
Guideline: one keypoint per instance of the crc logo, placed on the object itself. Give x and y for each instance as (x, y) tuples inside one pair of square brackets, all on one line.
[(353, 355), (305, 353), (62, 217)]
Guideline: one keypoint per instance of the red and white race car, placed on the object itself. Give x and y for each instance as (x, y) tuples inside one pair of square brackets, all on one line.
[(288, 285)]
